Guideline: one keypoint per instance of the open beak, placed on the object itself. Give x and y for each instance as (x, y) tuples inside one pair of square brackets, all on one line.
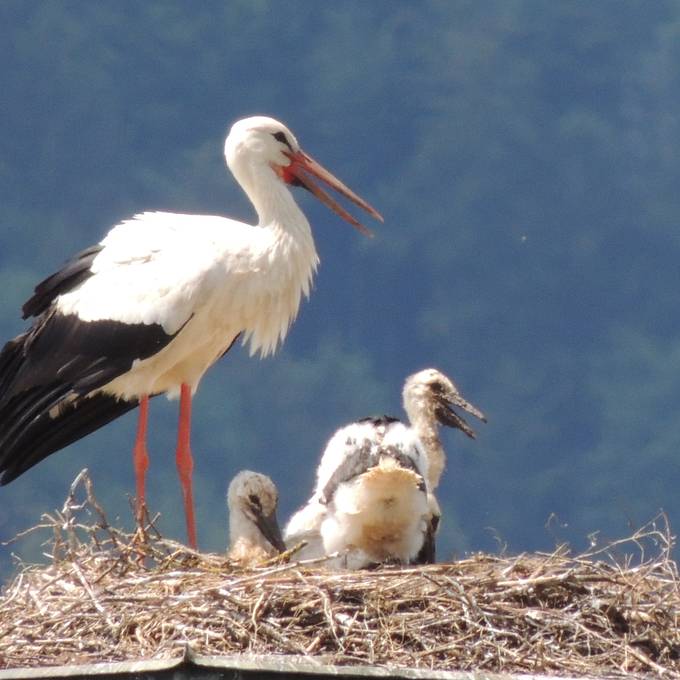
[(447, 416), (269, 526), (303, 167)]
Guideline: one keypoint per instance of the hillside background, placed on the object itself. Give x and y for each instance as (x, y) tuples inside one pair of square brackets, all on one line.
[(526, 157)]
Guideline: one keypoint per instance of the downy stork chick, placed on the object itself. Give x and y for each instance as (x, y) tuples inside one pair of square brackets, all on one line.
[(429, 398), (370, 504), (159, 300), (254, 533), (376, 495)]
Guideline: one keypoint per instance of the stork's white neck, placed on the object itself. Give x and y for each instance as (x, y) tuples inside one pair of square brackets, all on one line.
[(421, 416), (271, 198), (242, 527), (284, 260)]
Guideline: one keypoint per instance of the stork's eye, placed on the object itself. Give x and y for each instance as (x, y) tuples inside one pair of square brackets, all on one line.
[(254, 500), (281, 137), (437, 387)]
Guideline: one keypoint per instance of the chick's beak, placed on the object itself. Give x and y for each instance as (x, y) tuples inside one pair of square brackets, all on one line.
[(269, 526), (447, 416)]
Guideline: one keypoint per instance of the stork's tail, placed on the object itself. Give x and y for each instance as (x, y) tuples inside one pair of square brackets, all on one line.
[(41, 421), (38, 419)]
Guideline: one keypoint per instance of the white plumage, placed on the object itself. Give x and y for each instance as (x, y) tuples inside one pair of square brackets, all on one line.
[(254, 533), (374, 497), (212, 287), (370, 502), (157, 302)]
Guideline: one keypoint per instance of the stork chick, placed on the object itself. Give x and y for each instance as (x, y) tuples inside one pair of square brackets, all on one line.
[(341, 515), (429, 398), (254, 533), (370, 504), (375, 494)]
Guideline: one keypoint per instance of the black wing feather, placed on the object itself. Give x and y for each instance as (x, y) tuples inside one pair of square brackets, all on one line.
[(73, 273), (10, 361), (47, 435), (363, 459), (62, 348), (383, 420), (48, 382), (427, 554), (353, 465)]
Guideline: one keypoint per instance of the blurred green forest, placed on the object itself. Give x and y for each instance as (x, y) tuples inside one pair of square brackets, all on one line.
[(526, 157)]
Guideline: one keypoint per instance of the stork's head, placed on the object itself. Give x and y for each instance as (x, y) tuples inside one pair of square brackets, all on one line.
[(260, 141), (254, 496), (432, 395)]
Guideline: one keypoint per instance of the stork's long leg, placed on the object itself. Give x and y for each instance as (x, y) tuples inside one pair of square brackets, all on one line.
[(141, 455), (185, 463)]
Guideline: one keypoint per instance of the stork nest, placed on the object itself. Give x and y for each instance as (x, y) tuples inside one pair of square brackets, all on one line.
[(107, 595)]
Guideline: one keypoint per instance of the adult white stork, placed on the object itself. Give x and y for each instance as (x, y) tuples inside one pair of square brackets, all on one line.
[(159, 300), (254, 533), (374, 495)]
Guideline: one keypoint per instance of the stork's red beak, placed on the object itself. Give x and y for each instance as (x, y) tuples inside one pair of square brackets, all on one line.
[(300, 171)]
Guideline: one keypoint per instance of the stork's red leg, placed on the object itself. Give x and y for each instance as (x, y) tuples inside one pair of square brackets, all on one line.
[(140, 455), (185, 463)]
